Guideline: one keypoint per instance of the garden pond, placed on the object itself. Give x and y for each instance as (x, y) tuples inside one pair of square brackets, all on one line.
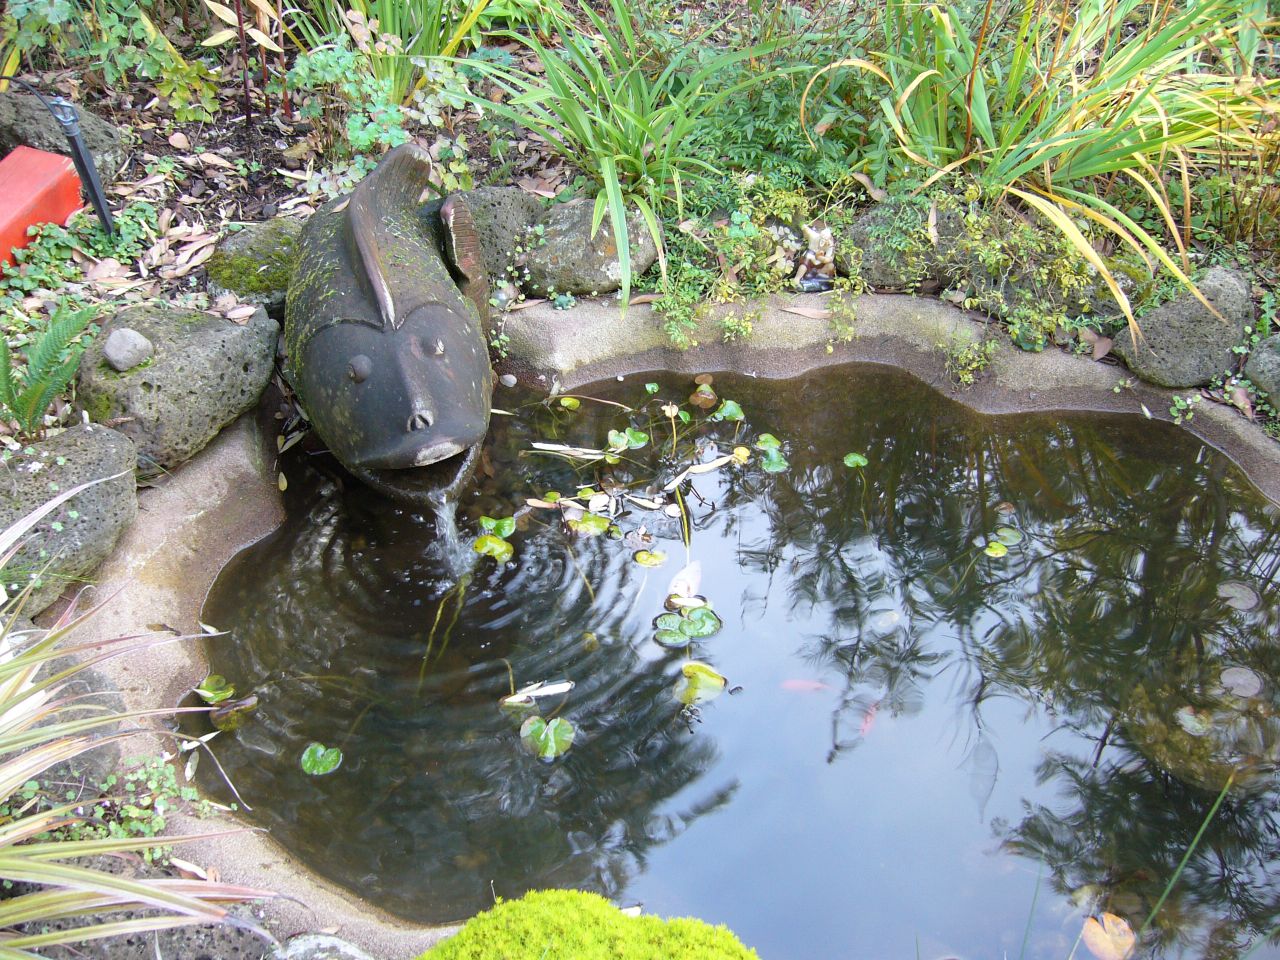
[(958, 682)]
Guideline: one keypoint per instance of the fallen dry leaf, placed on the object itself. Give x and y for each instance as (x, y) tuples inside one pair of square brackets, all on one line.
[(813, 313), (874, 192), (213, 160), (644, 298), (179, 141), (241, 313)]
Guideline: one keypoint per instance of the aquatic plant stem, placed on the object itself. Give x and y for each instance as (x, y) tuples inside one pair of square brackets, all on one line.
[(1195, 842), (1035, 896)]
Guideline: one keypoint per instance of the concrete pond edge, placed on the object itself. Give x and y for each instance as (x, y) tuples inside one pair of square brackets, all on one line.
[(226, 498)]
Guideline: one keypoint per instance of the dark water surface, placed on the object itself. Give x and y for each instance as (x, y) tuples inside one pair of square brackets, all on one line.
[(933, 753)]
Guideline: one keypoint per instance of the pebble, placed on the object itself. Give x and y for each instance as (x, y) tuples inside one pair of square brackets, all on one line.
[(507, 380), (125, 348)]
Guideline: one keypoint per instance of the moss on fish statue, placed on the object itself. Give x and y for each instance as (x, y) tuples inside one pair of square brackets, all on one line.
[(384, 331)]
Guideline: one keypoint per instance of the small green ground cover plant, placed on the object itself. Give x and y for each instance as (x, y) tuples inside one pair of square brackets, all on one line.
[(584, 926)]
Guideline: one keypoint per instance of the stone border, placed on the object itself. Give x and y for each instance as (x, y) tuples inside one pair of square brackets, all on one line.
[(226, 498)]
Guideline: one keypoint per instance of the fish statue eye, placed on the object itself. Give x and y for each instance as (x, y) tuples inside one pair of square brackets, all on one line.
[(359, 368)]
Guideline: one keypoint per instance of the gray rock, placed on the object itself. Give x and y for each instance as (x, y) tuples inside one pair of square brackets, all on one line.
[(1263, 367), (503, 216), (1183, 344), (206, 372), (80, 534), (24, 121), (255, 263), (315, 946), (570, 260), (125, 348)]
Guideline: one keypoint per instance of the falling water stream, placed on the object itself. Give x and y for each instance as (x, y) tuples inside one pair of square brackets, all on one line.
[(931, 746)]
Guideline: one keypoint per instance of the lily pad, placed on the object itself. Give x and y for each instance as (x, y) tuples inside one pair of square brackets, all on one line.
[(318, 760), (490, 546), (215, 689), (995, 549), (651, 388), (672, 639), (650, 558), (728, 410), (547, 740), (570, 403), (855, 460), (767, 441), (628, 439), (1241, 682), (741, 454), (1009, 536), (590, 524), (698, 683), (704, 398), (668, 621), (701, 622), (774, 462), (1239, 596), (502, 528)]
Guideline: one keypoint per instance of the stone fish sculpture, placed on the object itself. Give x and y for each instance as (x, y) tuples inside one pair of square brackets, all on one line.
[(384, 332)]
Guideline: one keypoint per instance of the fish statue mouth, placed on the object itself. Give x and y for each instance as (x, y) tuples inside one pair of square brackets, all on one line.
[(410, 455), (426, 485)]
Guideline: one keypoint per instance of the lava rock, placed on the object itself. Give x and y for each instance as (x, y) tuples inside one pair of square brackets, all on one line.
[(25, 121), (893, 248), (1263, 367), (315, 946), (255, 263), (125, 348), (78, 535), (503, 217), (570, 260), (1183, 344), (206, 371)]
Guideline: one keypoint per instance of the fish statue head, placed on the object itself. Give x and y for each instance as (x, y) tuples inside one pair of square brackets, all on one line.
[(384, 331)]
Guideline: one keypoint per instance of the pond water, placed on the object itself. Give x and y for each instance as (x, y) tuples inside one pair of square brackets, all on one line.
[(978, 688)]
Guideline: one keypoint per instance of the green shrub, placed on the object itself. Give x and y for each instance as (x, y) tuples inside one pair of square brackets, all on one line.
[(570, 925)]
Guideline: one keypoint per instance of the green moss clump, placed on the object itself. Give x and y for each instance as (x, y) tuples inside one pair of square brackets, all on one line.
[(262, 268), (571, 925)]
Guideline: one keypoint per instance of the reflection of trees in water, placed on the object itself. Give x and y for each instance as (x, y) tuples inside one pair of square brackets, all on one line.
[(1107, 616), (437, 806)]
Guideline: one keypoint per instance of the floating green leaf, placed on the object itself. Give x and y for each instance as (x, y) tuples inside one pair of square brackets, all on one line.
[(590, 524), (773, 462), (728, 410), (547, 740), (685, 416), (490, 546), (215, 689), (502, 528), (1009, 536), (650, 558), (698, 683), (672, 639), (701, 622), (651, 388), (995, 549), (570, 403), (668, 621), (317, 759), (855, 460), (767, 441), (629, 439)]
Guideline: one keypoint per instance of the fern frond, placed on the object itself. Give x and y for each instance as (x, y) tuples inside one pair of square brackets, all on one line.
[(37, 396), (48, 352), (7, 398)]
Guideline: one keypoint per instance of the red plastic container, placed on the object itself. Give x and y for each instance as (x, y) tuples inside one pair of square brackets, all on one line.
[(35, 187)]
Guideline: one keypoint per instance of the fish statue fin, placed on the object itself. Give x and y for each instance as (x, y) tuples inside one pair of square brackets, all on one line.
[(464, 250), (385, 196)]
